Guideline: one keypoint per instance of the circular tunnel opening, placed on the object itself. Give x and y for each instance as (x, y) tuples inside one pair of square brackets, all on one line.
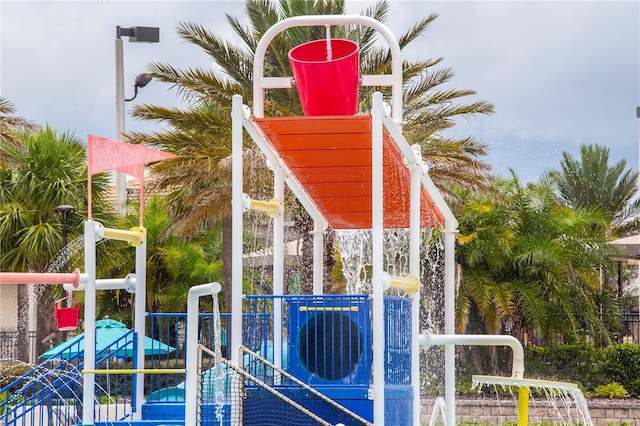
[(330, 345)]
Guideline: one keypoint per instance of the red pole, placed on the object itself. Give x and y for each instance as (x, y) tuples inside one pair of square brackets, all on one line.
[(40, 278)]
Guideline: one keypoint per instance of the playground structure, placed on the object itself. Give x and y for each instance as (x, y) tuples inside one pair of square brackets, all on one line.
[(348, 172)]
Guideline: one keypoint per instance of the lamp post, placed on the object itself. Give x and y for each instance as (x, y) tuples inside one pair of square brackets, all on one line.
[(64, 213), (136, 35)]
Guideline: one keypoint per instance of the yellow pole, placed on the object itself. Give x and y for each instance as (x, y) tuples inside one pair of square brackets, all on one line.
[(137, 371), (273, 207), (523, 406), (410, 284), (135, 236)]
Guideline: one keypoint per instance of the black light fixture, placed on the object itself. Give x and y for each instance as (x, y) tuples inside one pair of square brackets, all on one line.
[(141, 81), (139, 34)]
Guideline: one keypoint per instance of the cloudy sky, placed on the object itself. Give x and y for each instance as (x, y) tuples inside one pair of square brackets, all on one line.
[(560, 74)]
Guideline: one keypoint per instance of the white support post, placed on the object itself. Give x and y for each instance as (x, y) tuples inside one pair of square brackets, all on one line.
[(278, 266), (449, 323), (414, 269), (450, 229), (377, 218), (139, 320), (237, 116), (89, 379)]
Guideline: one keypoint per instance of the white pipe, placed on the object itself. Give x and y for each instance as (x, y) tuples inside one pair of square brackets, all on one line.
[(517, 366), (319, 20), (191, 377), (318, 259), (237, 116), (449, 324), (414, 269), (377, 217), (89, 380), (278, 267), (438, 407), (127, 283), (140, 306)]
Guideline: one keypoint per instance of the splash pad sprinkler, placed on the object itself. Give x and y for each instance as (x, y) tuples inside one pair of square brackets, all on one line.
[(550, 388)]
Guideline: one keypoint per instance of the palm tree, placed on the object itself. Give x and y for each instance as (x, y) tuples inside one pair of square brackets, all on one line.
[(39, 171), (529, 261), (200, 178), (592, 183), (10, 124)]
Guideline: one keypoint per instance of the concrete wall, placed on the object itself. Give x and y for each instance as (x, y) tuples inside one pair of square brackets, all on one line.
[(8, 307), (494, 411)]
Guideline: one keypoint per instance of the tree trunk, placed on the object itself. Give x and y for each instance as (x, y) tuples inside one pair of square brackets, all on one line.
[(328, 262), (23, 324), (305, 226), (47, 330), (476, 359)]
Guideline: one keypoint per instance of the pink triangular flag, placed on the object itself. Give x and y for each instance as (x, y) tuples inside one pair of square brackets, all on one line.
[(105, 154)]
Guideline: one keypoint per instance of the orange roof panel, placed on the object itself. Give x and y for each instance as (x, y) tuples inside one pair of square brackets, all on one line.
[(331, 158)]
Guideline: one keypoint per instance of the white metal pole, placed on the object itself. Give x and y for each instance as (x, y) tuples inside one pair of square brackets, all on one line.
[(89, 380), (278, 265), (236, 230), (237, 117), (414, 269), (377, 218), (449, 323), (121, 181), (139, 320)]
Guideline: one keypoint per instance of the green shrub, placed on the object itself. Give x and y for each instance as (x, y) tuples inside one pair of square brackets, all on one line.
[(612, 391), (581, 364), (620, 364), (10, 370)]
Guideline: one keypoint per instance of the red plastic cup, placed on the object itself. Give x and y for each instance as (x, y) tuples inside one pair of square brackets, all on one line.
[(327, 82)]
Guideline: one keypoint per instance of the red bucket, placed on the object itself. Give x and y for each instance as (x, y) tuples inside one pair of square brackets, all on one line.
[(67, 317), (327, 78)]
